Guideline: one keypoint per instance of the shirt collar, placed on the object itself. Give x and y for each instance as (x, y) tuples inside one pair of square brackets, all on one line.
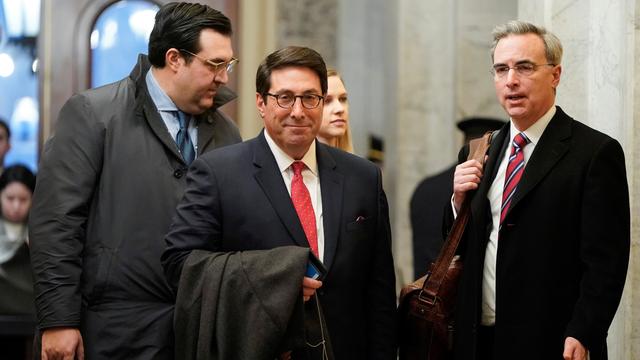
[(160, 98), (534, 132), (284, 160)]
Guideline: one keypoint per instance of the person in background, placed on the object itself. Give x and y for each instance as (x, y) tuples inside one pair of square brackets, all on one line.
[(546, 249), (431, 196), (5, 142), (16, 282), (335, 129), (109, 182), (285, 188)]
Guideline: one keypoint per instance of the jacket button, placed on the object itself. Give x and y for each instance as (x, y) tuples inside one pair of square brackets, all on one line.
[(178, 173)]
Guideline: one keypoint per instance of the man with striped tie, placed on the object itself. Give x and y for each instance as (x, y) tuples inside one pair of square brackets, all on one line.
[(547, 246)]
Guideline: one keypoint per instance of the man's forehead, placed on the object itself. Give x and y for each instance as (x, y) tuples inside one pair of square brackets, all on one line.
[(295, 78), (519, 47)]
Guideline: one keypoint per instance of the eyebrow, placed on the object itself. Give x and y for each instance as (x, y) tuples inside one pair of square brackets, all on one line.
[(306, 92), (524, 61)]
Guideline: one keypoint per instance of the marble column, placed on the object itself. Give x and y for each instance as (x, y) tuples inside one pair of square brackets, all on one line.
[(601, 73)]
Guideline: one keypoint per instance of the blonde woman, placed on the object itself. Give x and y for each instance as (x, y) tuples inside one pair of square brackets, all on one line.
[(335, 130)]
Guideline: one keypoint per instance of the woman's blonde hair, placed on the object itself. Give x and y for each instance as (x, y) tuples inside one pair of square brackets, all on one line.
[(344, 142)]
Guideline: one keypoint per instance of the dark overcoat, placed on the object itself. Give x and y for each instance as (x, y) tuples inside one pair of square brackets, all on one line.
[(563, 248), (109, 181)]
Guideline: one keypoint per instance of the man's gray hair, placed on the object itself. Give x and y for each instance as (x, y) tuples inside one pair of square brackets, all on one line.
[(552, 45)]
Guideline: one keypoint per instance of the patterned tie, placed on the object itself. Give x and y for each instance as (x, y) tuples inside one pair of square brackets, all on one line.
[(302, 202), (183, 140), (515, 168)]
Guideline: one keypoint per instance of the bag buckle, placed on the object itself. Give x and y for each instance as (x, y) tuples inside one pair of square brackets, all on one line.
[(426, 298)]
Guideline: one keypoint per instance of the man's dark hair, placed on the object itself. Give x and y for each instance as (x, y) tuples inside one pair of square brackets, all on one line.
[(290, 56), (18, 173), (5, 126), (178, 25)]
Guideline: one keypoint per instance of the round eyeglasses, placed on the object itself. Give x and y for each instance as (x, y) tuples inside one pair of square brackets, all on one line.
[(287, 100)]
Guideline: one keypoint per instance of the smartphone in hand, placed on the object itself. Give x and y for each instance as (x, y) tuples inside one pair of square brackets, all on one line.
[(315, 269)]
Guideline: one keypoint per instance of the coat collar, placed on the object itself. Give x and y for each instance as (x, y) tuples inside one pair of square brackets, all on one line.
[(147, 109)]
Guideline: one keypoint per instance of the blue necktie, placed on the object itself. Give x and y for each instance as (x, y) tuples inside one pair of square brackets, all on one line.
[(183, 140)]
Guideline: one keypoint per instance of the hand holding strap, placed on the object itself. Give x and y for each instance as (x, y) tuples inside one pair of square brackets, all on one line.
[(478, 149)]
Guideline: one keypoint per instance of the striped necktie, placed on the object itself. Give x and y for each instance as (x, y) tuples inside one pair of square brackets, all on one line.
[(183, 140), (515, 168)]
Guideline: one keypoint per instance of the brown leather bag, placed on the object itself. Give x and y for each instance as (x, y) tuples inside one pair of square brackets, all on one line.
[(425, 312)]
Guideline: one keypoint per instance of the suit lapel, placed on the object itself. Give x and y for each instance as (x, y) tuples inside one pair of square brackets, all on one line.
[(270, 180), (331, 186), (548, 151)]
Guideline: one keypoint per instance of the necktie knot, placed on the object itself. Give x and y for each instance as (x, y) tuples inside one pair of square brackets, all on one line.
[(520, 140), (297, 167)]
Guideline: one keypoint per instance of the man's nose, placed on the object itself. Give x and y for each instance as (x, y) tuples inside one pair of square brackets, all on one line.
[(222, 77), (512, 77), (297, 109)]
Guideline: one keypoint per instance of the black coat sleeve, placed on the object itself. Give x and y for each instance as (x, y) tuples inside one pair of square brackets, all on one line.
[(196, 223), (69, 171), (604, 245)]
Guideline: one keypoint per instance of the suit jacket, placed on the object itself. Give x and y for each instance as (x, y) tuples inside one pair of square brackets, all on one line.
[(109, 181), (563, 249), (236, 200), (428, 205)]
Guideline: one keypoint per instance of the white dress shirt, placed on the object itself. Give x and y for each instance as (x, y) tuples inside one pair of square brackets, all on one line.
[(534, 132), (311, 179)]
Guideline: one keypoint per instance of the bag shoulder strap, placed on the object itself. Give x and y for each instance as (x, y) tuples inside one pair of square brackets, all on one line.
[(478, 149)]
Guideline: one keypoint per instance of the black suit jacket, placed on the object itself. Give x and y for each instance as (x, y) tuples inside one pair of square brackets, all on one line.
[(563, 249), (236, 200)]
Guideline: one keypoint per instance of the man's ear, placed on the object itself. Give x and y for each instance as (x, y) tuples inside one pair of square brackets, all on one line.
[(557, 71), (173, 59), (260, 104)]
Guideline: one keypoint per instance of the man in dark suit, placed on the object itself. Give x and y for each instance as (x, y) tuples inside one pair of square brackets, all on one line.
[(431, 196), (248, 197), (109, 183), (547, 244)]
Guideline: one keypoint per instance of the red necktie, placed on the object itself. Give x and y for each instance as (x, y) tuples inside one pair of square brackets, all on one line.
[(515, 168), (302, 202)]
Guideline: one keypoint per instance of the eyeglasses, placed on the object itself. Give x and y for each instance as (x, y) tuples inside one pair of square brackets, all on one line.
[(215, 67), (522, 69), (287, 100)]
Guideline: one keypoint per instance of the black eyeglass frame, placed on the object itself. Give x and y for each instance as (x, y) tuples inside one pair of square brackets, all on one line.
[(317, 98)]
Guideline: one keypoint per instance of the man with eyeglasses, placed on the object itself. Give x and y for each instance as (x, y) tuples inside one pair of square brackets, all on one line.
[(284, 188), (109, 183), (546, 250)]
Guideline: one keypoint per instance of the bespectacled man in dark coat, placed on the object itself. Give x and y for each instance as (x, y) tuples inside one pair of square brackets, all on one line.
[(547, 245), (109, 181)]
